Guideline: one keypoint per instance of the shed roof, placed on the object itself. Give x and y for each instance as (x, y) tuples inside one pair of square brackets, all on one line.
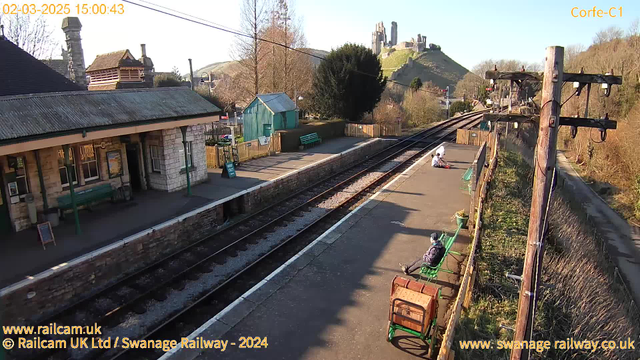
[(21, 73), (46, 115), (121, 58), (277, 102)]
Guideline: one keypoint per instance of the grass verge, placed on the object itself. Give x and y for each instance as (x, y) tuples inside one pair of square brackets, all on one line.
[(584, 300)]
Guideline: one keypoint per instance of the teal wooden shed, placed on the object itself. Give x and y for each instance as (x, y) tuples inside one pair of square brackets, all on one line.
[(268, 113)]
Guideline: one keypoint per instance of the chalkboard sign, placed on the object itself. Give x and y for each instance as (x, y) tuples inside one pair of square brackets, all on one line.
[(229, 170), (46, 234)]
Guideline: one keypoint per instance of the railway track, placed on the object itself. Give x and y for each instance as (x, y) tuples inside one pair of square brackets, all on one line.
[(169, 298)]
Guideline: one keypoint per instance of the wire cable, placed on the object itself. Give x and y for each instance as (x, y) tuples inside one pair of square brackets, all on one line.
[(210, 24)]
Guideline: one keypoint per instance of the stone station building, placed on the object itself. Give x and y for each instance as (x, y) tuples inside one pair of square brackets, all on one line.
[(125, 137)]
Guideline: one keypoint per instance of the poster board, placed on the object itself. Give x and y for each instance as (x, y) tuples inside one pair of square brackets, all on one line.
[(229, 170), (45, 233), (114, 163)]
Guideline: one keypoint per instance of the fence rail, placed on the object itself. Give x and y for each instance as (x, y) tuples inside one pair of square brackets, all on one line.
[(472, 136), (466, 286), (372, 130), (246, 151)]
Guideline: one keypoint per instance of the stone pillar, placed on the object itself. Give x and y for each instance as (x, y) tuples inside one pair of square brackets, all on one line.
[(148, 66), (71, 27)]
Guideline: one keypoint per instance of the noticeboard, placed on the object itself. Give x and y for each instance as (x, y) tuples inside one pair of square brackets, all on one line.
[(114, 163), (46, 234), (229, 170)]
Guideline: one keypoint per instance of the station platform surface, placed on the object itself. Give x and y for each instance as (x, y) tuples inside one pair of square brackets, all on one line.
[(332, 300), (22, 255)]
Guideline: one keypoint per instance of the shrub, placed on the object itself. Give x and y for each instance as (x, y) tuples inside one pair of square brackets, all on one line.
[(460, 107), (421, 107)]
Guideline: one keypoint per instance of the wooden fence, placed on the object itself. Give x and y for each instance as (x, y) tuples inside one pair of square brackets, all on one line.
[(472, 136), (372, 130), (246, 151), (465, 291)]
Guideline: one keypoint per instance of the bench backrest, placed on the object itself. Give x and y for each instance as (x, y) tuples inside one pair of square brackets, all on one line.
[(82, 195), (448, 242), (309, 137)]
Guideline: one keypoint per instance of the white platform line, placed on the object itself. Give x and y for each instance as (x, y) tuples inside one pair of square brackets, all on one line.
[(256, 287)]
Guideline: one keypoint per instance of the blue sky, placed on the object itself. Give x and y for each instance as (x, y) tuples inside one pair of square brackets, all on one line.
[(468, 31)]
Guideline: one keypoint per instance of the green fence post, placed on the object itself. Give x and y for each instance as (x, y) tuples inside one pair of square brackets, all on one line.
[(67, 164)]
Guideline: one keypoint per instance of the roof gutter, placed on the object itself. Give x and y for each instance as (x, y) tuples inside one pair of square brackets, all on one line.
[(85, 131)]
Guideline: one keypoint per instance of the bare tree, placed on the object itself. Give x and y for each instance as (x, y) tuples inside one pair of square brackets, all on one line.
[(470, 86), (634, 28), (31, 35), (247, 50), (290, 71), (570, 56), (608, 34)]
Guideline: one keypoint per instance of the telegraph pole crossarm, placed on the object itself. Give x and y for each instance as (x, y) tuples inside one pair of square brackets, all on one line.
[(549, 122)]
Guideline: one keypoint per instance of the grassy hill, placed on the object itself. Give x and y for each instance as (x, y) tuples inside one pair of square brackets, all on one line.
[(232, 67), (429, 65)]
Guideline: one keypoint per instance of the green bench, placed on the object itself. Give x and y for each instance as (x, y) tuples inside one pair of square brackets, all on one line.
[(86, 197), (432, 272), (310, 139), (466, 180)]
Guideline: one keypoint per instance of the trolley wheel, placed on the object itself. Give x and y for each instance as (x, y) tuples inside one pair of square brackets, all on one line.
[(390, 331)]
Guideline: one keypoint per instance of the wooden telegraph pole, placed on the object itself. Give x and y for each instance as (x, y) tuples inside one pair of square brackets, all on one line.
[(545, 161), (544, 166)]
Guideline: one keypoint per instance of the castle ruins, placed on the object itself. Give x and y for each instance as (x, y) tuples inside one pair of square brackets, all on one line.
[(379, 41)]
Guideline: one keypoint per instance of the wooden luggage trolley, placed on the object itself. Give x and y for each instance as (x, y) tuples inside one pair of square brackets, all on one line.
[(413, 309)]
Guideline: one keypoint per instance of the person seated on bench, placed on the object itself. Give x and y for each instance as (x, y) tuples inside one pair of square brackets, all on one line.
[(432, 257), (438, 161)]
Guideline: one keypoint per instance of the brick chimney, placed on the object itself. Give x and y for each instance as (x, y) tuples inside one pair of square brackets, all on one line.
[(148, 66), (71, 27)]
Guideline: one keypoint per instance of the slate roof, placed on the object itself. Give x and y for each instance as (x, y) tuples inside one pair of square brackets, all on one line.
[(277, 102), (61, 66), (21, 73), (113, 60), (24, 118)]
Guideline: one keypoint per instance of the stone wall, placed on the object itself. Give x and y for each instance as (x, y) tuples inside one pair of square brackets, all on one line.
[(171, 176), (175, 173), (57, 288)]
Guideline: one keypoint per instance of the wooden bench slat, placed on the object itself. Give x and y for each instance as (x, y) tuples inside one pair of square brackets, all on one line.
[(86, 196), (310, 139)]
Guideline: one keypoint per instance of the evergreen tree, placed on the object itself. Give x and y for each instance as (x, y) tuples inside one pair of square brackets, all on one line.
[(416, 84), (348, 83)]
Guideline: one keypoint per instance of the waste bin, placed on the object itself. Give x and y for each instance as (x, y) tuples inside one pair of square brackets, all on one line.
[(31, 207), (52, 217)]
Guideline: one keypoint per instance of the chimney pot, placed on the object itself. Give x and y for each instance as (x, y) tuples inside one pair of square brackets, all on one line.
[(143, 47)]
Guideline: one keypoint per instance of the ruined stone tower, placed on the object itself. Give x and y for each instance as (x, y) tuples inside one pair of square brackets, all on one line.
[(378, 38), (71, 27), (394, 34)]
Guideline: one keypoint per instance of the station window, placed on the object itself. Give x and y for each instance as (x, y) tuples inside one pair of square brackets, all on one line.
[(64, 179), (89, 162), (21, 176), (156, 157), (189, 156)]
